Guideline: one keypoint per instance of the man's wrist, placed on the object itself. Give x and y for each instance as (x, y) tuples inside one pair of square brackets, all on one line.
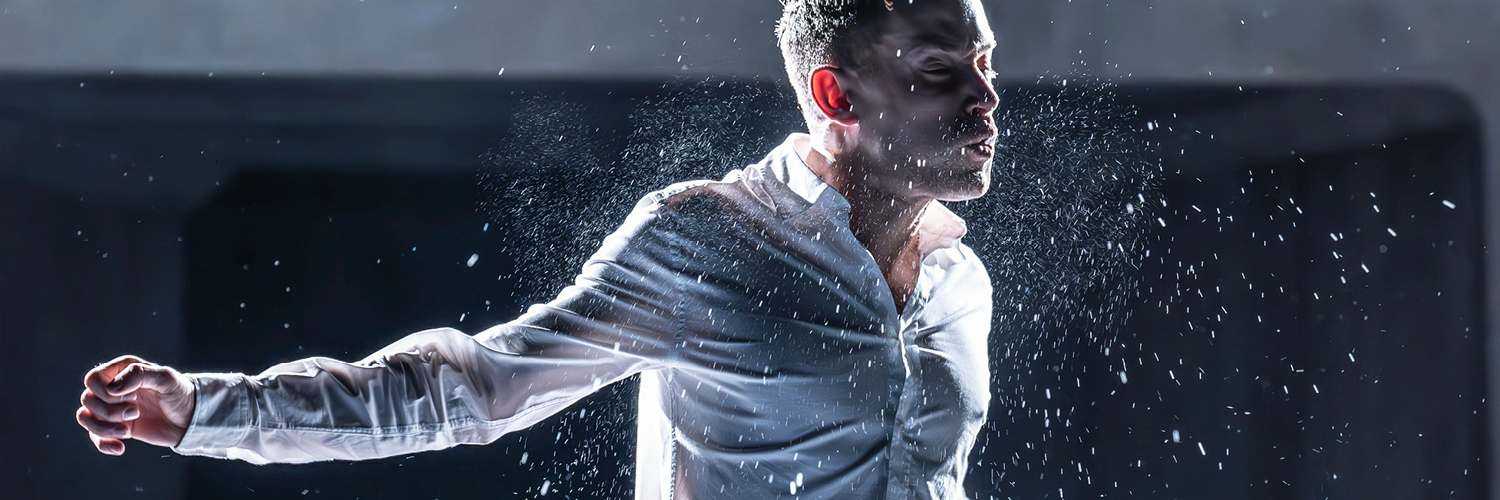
[(221, 412), (192, 401)]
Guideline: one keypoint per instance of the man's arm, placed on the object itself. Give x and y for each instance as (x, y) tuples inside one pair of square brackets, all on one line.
[(440, 387)]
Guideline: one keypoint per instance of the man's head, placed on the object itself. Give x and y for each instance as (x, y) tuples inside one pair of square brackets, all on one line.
[(898, 91)]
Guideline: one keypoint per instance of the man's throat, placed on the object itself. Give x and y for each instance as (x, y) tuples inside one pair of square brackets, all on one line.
[(895, 244)]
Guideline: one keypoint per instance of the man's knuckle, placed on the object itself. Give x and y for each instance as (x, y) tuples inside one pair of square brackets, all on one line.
[(102, 411), (105, 429)]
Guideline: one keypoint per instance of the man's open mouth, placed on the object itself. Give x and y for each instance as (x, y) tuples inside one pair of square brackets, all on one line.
[(982, 148)]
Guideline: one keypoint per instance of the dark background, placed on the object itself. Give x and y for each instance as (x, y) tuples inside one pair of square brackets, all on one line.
[(143, 206)]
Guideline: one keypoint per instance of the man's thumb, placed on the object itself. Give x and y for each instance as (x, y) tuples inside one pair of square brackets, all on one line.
[(138, 375)]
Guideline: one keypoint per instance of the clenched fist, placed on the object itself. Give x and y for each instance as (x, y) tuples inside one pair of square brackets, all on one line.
[(131, 398)]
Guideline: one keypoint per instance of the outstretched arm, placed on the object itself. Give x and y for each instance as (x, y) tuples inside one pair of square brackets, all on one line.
[(430, 390)]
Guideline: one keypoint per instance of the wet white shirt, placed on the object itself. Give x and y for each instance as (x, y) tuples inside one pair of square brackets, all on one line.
[(773, 359)]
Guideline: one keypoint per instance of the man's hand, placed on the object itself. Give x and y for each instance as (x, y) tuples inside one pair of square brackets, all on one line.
[(131, 398)]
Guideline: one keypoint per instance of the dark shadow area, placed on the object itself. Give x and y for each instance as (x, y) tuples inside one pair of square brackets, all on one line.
[(1311, 319), (228, 224)]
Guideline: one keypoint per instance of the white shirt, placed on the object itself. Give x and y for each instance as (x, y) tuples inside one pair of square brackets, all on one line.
[(773, 360)]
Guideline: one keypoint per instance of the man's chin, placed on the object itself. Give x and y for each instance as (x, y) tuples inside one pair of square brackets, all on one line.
[(965, 186)]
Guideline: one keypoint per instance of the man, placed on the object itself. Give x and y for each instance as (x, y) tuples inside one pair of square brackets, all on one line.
[(810, 325)]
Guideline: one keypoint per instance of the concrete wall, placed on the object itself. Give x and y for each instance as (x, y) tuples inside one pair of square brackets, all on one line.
[(1216, 41), (1282, 40)]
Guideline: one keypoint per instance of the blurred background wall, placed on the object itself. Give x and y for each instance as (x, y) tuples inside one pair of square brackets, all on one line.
[(169, 122)]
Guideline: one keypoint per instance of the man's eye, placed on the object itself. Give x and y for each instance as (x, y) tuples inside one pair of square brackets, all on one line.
[(936, 70)]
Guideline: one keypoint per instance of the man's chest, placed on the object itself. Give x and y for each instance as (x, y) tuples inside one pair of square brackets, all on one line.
[(773, 327)]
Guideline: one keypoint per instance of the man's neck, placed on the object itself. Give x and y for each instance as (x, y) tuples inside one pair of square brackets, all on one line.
[(885, 224)]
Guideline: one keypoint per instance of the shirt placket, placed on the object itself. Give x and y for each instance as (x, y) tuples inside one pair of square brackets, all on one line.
[(906, 390)]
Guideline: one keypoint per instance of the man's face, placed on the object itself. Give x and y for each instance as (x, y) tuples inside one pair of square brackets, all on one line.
[(924, 98)]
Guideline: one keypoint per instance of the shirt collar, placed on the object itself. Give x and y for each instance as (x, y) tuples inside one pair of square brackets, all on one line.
[(939, 226)]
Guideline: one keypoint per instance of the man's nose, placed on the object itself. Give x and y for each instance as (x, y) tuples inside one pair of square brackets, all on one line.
[(983, 99)]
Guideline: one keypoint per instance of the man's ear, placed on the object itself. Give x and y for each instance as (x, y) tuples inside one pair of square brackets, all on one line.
[(831, 97)]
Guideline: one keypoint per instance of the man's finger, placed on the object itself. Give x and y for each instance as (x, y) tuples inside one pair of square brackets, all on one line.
[(138, 375), (107, 446), (101, 428), (107, 411), (97, 378), (111, 367)]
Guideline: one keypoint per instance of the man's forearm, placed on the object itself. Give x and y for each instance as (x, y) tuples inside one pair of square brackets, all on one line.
[(431, 390)]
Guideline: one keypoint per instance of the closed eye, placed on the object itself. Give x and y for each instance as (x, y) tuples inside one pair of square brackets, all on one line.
[(984, 66)]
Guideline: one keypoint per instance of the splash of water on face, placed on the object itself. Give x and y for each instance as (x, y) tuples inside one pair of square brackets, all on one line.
[(1064, 232), (1066, 224)]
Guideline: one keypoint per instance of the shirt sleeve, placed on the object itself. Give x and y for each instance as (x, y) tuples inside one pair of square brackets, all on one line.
[(439, 388)]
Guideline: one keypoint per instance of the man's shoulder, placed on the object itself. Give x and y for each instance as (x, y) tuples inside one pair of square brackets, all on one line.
[(704, 200), (702, 217), (677, 193)]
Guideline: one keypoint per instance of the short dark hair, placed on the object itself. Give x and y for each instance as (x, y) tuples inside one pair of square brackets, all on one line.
[(817, 32)]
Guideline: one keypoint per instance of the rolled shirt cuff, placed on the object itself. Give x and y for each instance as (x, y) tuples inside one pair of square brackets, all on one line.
[(221, 414)]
